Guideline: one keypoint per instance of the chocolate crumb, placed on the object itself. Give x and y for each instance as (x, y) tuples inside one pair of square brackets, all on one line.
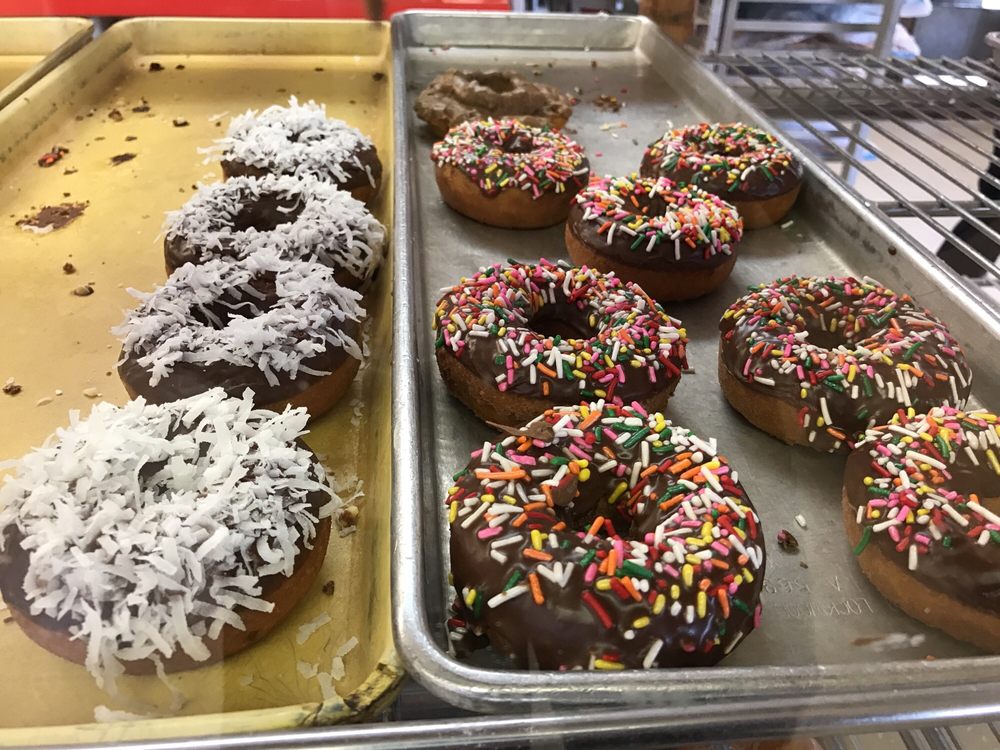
[(83, 291), (50, 158), (179, 66), (787, 542), (131, 138), (11, 388), (70, 170), (378, 76), (115, 115), (351, 101), (803, 564), (68, 268), (348, 517), (143, 107), (66, 195), (329, 587), (318, 70), (155, 67), (122, 158), (99, 138), (49, 218), (593, 63), (607, 103), (7, 620), (180, 122)]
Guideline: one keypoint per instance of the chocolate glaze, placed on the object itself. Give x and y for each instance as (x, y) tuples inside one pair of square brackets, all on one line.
[(265, 213), (190, 378), (966, 571), (563, 632), (357, 176), (568, 320), (736, 343), (660, 258)]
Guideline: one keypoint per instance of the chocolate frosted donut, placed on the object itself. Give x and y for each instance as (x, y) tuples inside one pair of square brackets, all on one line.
[(921, 496), (507, 174), (746, 166), (815, 361), (168, 536), (300, 140), (679, 244), (284, 329), (300, 217), (605, 537), (515, 340), (460, 95)]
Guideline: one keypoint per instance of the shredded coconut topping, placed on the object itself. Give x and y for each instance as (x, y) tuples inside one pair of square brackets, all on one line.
[(299, 321), (298, 139), (148, 527), (325, 223)]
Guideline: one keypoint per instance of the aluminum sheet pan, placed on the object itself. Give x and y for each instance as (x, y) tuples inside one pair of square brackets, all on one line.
[(31, 47), (808, 651), (54, 341)]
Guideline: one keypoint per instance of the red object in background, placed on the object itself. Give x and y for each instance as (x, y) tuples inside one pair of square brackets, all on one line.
[(234, 8)]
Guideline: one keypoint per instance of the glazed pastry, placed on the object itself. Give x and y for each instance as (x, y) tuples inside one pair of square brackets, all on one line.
[(920, 506), (605, 537), (145, 537), (678, 244), (457, 96), (515, 340), (815, 361), (301, 217), (300, 140), (508, 174), (284, 329), (745, 166)]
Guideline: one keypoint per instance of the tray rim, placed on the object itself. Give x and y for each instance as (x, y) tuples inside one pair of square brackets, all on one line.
[(379, 688), (874, 695), (76, 40)]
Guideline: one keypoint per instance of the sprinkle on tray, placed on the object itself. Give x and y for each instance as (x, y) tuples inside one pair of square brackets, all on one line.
[(122, 158), (801, 521), (53, 156)]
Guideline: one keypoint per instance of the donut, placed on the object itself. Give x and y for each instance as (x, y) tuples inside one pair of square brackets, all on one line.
[(605, 537), (746, 166), (300, 140), (302, 217), (816, 360), (507, 174), (514, 340), (457, 96), (921, 499), (284, 329), (163, 537), (679, 244)]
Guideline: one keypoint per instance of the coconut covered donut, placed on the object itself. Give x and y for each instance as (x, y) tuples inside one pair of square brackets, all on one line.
[(457, 96), (815, 361), (679, 244), (508, 174), (921, 502), (746, 166), (300, 217), (605, 537), (284, 329), (300, 140), (514, 340), (163, 536)]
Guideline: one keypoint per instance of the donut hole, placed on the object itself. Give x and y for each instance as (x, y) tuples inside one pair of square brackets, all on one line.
[(266, 213), (497, 82), (562, 320)]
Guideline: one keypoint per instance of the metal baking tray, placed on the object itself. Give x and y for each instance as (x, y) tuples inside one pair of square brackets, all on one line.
[(53, 342), (818, 652), (31, 47)]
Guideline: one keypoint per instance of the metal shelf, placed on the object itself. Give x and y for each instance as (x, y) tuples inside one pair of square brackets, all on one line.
[(915, 140)]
